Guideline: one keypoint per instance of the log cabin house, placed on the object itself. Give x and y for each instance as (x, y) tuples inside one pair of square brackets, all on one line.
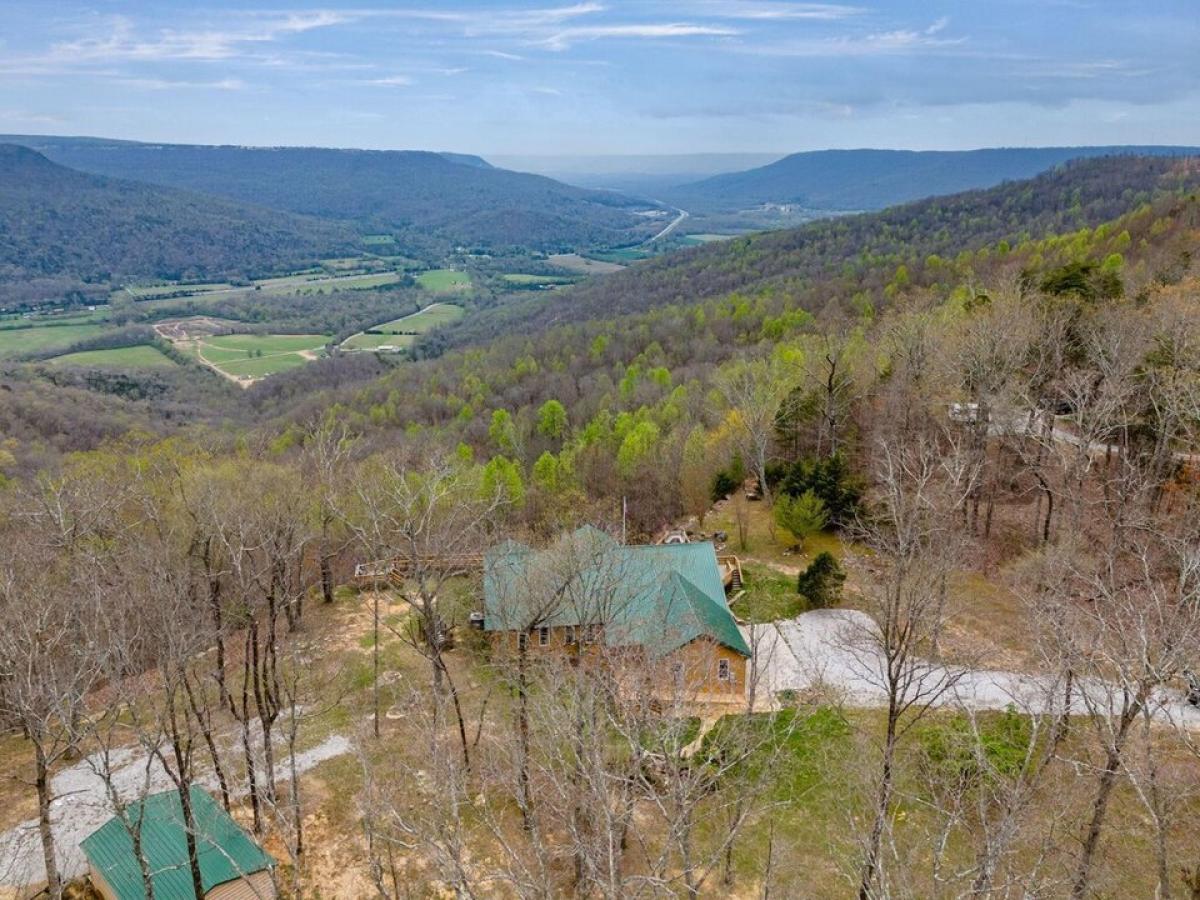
[(587, 592)]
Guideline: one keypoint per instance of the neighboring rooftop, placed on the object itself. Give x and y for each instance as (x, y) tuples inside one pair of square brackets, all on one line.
[(661, 596), (225, 851)]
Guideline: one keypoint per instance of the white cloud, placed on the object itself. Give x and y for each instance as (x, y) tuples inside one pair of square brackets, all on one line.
[(390, 81), (768, 10), (167, 84), (563, 39)]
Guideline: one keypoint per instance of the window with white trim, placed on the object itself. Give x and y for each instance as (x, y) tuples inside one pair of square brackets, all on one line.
[(543, 636), (570, 634), (522, 641), (724, 673)]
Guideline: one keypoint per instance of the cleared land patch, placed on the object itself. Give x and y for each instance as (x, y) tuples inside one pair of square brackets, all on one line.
[(242, 358), (525, 280), (140, 356), (399, 333), (15, 341), (442, 280), (573, 262)]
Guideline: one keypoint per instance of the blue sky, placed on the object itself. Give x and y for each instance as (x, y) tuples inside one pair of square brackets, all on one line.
[(670, 76)]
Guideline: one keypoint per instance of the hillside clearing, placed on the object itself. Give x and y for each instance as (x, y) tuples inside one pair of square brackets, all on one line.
[(140, 356), (400, 333)]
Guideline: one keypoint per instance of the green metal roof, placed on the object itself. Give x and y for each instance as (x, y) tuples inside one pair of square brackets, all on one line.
[(661, 596), (225, 851)]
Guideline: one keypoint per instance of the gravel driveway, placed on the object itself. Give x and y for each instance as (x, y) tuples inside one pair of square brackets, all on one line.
[(836, 650)]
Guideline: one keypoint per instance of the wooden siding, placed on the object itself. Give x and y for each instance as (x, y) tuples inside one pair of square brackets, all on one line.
[(258, 886)]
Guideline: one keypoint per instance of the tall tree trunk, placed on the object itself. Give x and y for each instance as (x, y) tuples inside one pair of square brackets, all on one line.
[(54, 883), (883, 801), (1108, 779), (189, 828)]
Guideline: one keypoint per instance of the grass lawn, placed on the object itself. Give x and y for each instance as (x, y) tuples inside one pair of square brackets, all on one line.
[(441, 280), (149, 292), (260, 355), (524, 279), (770, 596), (261, 367), (759, 542), (399, 332), (141, 356), (14, 341), (268, 343)]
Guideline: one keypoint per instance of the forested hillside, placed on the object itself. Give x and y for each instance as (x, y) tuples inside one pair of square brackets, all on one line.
[(952, 447), (64, 231), (874, 179), (456, 197), (832, 260)]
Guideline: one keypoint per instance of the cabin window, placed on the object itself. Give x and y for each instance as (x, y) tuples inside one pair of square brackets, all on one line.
[(591, 633), (570, 634), (522, 641), (543, 636), (724, 673)]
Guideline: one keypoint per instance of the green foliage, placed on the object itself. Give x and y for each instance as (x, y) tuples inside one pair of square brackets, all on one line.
[(821, 582), (502, 431), (797, 746), (502, 478), (552, 420), (769, 596), (828, 478), (729, 479), (637, 445), (801, 515), (996, 747)]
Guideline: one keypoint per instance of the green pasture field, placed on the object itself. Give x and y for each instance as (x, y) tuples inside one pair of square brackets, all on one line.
[(153, 291), (262, 366), (524, 279), (440, 280), (708, 238), (398, 332), (140, 356), (259, 355), (15, 341)]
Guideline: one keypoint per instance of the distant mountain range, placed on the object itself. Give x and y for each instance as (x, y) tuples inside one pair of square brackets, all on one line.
[(456, 197), (856, 180), (63, 232)]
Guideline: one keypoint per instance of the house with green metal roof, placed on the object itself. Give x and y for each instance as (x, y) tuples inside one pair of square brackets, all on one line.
[(232, 864), (665, 602)]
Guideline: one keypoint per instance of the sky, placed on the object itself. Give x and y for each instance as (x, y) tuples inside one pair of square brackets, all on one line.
[(606, 77)]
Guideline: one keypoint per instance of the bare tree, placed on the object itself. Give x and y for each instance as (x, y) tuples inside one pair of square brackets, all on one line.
[(912, 536)]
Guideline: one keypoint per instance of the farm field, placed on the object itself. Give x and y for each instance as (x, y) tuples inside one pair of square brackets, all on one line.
[(707, 238), (525, 280), (573, 262), (15, 341), (141, 356), (245, 358), (442, 280), (159, 291), (400, 332)]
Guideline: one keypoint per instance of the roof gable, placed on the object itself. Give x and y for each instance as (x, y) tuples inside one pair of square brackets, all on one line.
[(660, 596)]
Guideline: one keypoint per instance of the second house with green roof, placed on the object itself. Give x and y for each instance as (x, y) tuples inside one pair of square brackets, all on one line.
[(659, 609)]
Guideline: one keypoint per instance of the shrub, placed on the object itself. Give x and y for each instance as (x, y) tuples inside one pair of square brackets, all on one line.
[(802, 516), (821, 583), (830, 479)]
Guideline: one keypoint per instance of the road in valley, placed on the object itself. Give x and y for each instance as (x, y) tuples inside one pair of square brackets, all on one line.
[(675, 223)]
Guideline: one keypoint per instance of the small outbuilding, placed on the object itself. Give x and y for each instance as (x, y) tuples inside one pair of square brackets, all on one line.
[(232, 864)]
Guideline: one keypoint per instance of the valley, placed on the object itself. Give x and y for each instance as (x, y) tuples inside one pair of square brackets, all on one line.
[(524, 548)]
